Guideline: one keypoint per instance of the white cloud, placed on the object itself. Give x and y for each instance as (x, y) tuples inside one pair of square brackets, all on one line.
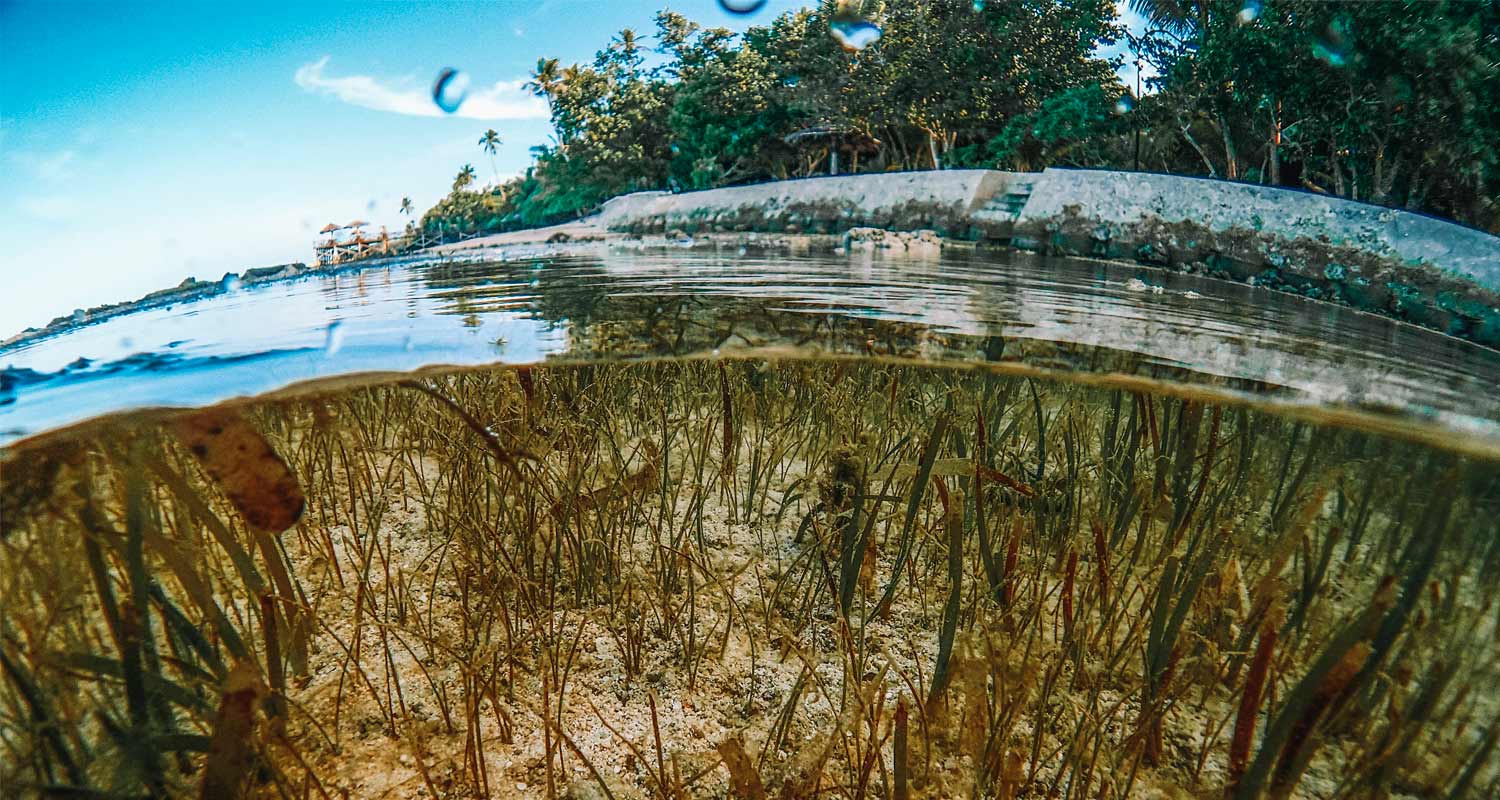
[(50, 167), (503, 100), (49, 207)]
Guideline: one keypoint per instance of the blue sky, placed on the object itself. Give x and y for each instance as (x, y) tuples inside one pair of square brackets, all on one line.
[(144, 143)]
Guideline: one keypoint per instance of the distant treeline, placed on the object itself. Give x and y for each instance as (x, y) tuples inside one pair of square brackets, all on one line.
[(1395, 103)]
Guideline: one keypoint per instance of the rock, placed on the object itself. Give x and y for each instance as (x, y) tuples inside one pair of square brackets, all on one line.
[(583, 789), (272, 273), (865, 239), (559, 238)]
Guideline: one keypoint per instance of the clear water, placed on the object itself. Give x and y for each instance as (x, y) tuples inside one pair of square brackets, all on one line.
[(1056, 313), (1007, 526)]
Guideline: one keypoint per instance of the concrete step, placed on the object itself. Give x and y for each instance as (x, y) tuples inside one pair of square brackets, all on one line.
[(1007, 205)]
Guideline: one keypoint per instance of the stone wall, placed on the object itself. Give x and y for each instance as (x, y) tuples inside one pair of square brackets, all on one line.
[(1409, 266), (943, 201), (1125, 199)]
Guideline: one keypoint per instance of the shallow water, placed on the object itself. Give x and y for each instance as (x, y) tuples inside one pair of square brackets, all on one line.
[(762, 525), (1062, 589), (1057, 313)]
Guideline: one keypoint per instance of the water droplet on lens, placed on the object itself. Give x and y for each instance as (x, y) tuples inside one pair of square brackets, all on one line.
[(1124, 105), (230, 282), (675, 149), (854, 34), (1249, 12), (333, 340), (450, 89), (1335, 44), (406, 344), (126, 341), (744, 250), (742, 6), (978, 5), (791, 80)]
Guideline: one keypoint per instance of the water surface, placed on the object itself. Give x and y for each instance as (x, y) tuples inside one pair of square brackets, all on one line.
[(1057, 313)]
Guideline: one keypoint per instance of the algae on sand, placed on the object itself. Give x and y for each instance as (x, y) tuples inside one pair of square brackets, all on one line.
[(670, 578)]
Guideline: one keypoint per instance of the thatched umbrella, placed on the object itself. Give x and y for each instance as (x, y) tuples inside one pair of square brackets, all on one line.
[(358, 239)]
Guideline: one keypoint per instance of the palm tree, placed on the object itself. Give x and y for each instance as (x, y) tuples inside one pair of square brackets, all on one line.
[(464, 178), (490, 142), (545, 81), (406, 206), (1179, 17)]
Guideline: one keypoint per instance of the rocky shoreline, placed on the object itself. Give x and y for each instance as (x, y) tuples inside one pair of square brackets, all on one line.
[(190, 289)]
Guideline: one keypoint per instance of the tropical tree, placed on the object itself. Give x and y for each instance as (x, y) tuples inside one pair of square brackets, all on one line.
[(544, 80), (490, 143), (1180, 17), (1389, 102), (464, 178)]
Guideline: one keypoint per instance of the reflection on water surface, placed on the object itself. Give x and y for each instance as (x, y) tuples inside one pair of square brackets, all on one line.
[(971, 305)]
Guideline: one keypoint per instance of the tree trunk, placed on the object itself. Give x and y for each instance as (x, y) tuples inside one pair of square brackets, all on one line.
[(1338, 173), (1212, 173), (1231, 160), (1276, 143), (1414, 190), (1377, 191), (1385, 177), (932, 148)]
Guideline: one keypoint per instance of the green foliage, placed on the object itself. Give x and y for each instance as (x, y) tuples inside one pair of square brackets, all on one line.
[(718, 108), (1077, 127), (1390, 102)]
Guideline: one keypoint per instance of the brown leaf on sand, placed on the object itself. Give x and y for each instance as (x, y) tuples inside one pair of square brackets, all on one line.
[(742, 774), (242, 463)]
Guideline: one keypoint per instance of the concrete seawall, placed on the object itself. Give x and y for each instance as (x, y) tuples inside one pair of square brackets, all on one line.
[(1424, 270), (945, 201)]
